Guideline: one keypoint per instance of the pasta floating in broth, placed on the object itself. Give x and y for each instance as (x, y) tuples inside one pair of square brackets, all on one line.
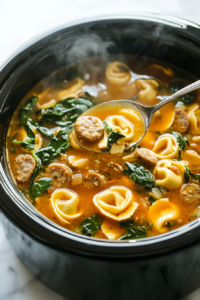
[(121, 191)]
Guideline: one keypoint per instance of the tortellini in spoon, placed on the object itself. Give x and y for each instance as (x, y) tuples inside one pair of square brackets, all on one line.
[(116, 203), (194, 117), (65, 205), (166, 146), (169, 173)]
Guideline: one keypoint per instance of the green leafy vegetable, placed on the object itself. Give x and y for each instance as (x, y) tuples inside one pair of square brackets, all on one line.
[(151, 200), (182, 141), (41, 129), (23, 192), (26, 110), (57, 146), (187, 99), (65, 112), (40, 187), (113, 135), (140, 176), (189, 175), (175, 86), (135, 231), (35, 174), (89, 226)]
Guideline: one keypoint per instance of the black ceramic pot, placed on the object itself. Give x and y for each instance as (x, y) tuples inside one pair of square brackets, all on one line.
[(81, 268)]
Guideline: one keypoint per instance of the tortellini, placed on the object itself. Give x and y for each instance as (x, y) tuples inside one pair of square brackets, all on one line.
[(65, 205), (194, 117), (192, 156), (148, 89), (154, 69), (118, 73), (112, 229), (122, 125), (162, 211), (169, 173), (50, 97), (166, 146), (115, 203), (72, 90)]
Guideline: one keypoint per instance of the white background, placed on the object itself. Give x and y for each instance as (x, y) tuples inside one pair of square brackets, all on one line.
[(21, 20)]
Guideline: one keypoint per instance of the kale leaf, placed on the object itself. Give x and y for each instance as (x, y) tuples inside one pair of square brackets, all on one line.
[(113, 135), (65, 112), (41, 129), (175, 86), (89, 226), (35, 174), (26, 110), (57, 146), (40, 187), (140, 176), (135, 231), (182, 141)]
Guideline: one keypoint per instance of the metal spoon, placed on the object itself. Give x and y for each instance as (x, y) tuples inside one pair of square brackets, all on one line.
[(146, 112)]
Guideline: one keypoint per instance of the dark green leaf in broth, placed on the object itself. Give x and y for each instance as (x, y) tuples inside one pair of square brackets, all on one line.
[(89, 226), (135, 231), (40, 187), (35, 174)]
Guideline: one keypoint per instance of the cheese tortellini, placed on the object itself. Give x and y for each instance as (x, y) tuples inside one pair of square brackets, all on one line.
[(115, 203), (169, 173), (122, 125), (72, 90), (162, 211), (65, 205), (148, 89), (118, 73), (192, 156), (166, 146), (50, 97), (194, 117), (155, 69), (112, 229)]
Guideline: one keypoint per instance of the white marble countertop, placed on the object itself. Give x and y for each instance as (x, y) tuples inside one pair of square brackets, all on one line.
[(20, 21)]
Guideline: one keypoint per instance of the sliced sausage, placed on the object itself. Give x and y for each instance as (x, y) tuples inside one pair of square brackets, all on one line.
[(147, 155), (24, 166), (95, 179), (190, 192), (63, 158), (60, 174), (89, 128), (181, 121)]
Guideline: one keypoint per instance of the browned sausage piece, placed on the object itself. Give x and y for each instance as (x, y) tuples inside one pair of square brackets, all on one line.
[(89, 129), (190, 192), (60, 174), (95, 179), (24, 166), (147, 155), (181, 121)]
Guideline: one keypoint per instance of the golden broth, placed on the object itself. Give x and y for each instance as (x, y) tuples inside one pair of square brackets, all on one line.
[(104, 163)]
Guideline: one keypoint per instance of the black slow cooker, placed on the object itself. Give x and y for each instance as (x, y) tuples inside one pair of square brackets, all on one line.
[(78, 267)]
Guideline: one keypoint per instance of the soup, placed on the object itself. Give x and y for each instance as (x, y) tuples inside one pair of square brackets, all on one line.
[(125, 193)]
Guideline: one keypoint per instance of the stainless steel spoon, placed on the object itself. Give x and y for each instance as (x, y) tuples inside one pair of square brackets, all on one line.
[(145, 111)]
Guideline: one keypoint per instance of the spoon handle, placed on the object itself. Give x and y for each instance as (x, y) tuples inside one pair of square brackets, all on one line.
[(178, 94)]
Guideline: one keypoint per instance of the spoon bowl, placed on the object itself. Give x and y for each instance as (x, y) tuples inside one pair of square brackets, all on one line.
[(146, 112)]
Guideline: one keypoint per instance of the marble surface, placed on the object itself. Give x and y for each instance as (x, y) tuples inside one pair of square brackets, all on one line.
[(20, 21)]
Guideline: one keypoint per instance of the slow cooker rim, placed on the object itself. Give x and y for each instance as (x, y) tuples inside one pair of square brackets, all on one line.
[(58, 229)]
